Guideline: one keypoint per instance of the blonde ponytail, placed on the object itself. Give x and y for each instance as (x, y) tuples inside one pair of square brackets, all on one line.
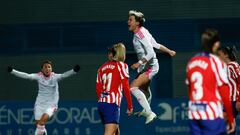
[(120, 52)]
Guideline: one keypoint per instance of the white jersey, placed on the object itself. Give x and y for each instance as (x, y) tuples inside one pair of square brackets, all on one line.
[(143, 44), (48, 94)]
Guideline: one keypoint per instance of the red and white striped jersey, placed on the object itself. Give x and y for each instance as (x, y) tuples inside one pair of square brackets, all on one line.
[(233, 72), (112, 79), (206, 73)]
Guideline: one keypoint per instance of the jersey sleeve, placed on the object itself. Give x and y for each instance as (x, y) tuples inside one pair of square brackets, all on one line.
[(123, 70), (155, 44), (98, 84), (146, 45), (225, 95), (238, 82), (65, 75), (125, 83), (24, 75), (220, 71), (238, 71), (234, 70)]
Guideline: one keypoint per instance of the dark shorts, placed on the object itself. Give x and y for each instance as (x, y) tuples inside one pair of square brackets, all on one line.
[(109, 113), (207, 127)]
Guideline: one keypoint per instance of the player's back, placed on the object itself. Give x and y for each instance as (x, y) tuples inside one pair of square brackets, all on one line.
[(204, 75), (109, 78)]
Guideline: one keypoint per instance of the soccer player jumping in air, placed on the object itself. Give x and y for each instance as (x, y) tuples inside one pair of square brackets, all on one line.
[(147, 65), (208, 87), (46, 103)]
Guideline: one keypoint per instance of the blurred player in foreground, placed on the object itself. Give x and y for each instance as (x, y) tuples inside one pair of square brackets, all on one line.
[(48, 94), (112, 79), (147, 65), (208, 86), (228, 55)]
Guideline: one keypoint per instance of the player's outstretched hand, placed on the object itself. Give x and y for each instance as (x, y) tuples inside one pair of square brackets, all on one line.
[(76, 68), (9, 69)]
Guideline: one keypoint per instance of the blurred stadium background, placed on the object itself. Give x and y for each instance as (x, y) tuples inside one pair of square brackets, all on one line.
[(79, 32)]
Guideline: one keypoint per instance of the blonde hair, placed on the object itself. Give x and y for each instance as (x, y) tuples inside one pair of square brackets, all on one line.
[(120, 50)]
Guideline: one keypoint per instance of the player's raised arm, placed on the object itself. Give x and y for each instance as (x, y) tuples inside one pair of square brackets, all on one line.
[(167, 50), (23, 75), (162, 47), (68, 73)]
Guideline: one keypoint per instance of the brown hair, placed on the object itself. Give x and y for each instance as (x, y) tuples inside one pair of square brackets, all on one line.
[(46, 62), (209, 38)]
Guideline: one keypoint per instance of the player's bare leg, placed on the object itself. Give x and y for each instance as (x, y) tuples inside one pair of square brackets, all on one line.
[(41, 130), (111, 129), (118, 131)]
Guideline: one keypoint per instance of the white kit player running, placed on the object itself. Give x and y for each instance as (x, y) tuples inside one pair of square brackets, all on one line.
[(46, 103), (147, 66)]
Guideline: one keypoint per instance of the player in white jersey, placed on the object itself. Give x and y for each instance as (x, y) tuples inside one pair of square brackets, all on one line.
[(46, 103), (228, 55), (147, 66)]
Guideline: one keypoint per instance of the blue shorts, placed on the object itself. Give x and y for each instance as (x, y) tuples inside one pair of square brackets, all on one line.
[(207, 127), (109, 113)]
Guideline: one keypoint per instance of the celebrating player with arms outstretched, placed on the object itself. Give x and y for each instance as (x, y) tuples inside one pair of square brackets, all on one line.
[(48, 95), (207, 81), (228, 55), (147, 66), (112, 79)]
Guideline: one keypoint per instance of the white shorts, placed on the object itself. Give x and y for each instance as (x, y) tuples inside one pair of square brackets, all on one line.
[(150, 71), (39, 111)]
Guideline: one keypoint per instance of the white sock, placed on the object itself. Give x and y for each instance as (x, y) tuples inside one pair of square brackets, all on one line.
[(150, 96), (45, 131), (141, 98), (40, 130)]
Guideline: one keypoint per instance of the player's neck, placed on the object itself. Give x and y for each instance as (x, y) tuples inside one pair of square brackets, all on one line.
[(137, 29), (228, 61)]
